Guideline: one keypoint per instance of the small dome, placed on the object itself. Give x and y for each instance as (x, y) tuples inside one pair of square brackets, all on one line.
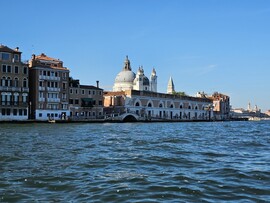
[(145, 81)]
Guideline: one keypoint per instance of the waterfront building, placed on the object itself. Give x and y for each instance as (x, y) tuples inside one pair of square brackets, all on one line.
[(221, 106), (141, 105), (128, 80), (134, 97), (246, 113), (49, 89), (14, 88), (86, 101)]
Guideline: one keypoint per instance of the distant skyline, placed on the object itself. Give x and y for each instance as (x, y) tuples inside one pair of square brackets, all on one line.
[(204, 45)]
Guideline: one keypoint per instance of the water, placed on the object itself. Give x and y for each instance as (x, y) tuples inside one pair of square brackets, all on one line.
[(135, 162)]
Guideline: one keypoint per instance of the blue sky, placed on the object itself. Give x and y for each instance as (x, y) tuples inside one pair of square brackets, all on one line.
[(205, 45)]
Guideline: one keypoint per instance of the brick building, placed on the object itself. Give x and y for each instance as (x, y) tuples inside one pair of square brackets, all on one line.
[(49, 89), (14, 85)]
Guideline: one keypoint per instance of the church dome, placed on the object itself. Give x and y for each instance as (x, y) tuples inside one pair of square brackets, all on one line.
[(125, 76), (124, 79)]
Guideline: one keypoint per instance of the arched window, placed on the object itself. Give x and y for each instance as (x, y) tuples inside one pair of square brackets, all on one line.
[(137, 104), (189, 107), (160, 105), (171, 106), (149, 104), (196, 107), (3, 81), (8, 82), (16, 82), (24, 82), (181, 106)]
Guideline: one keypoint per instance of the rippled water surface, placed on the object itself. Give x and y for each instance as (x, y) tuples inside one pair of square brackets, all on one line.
[(135, 162)]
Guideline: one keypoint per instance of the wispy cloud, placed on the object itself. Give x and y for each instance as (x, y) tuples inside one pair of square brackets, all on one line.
[(208, 69), (204, 70)]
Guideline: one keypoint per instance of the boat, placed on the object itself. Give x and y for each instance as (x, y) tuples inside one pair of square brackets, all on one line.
[(254, 118), (51, 120)]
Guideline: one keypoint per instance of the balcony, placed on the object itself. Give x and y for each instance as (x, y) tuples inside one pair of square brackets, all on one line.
[(45, 77), (14, 89), (53, 100), (41, 99), (14, 104), (41, 88), (53, 89), (25, 89)]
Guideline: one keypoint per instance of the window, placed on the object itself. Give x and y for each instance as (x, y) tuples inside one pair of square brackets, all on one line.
[(20, 112), (100, 102), (149, 104), (8, 82), (64, 96), (160, 105), (16, 57), (76, 91), (24, 98), (3, 80), (16, 82), (99, 92), (25, 70), (89, 92), (4, 68), (3, 112), (15, 112), (82, 91), (25, 112), (40, 115), (5, 56), (24, 82), (71, 91), (15, 98), (94, 102), (76, 101), (137, 104), (16, 69), (181, 106), (64, 76), (94, 92), (64, 86), (9, 69), (71, 101)]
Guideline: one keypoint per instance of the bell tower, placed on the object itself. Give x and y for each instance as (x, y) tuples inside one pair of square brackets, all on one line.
[(170, 88), (153, 81)]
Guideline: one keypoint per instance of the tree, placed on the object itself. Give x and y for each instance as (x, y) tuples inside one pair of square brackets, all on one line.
[(179, 93)]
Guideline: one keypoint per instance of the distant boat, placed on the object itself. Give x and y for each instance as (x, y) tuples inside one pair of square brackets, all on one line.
[(254, 119), (51, 120)]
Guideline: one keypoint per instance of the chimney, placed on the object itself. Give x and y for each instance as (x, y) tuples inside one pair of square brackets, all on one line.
[(97, 84)]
